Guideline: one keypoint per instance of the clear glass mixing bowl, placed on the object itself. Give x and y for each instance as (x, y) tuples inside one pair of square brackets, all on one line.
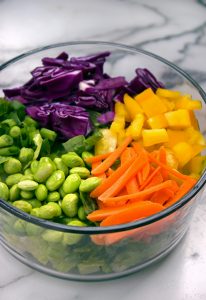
[(87, 253)]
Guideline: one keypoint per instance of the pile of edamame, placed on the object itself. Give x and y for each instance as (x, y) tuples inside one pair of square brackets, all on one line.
[(53, 186)]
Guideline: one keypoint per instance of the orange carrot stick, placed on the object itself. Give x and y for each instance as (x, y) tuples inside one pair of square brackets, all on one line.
[(152, 175), (111, 179), (110, 172), (97, 158), (131, 214), (95, 165), (108, 162), (137, 165), (183, 190), (162, 196), (169, 169), (163, 159), (146, 192)]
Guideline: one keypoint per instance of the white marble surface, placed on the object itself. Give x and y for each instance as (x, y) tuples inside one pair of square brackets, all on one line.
[(175, 30)]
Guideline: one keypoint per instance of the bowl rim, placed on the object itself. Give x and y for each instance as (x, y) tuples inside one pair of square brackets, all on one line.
[(122, 227)]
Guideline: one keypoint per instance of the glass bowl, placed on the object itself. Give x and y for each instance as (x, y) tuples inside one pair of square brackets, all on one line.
[(99, 253)]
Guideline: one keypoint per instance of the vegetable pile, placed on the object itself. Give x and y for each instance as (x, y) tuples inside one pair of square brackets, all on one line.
[(77, 143)]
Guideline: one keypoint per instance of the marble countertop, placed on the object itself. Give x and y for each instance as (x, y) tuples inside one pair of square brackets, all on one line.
[(175, 30)]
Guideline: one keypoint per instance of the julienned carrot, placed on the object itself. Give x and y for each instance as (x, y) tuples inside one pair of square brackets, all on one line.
[(95, 165), (153, 174), (111, 179), (132, 185), (183, 190), (169, 169), (146, 192), (108, 162), (131, 214), (101, 214), (162, 196), (157, 179), (110, 172), (97, 158), (133, 169), (163, 159)]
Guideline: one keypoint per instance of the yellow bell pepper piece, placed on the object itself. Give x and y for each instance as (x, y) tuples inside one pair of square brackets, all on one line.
[(118, 124), (151, 104), (171, 159), (195, 136), (169, 103), (183, 152), (167, 93), (186, 103), (154, 136), (194, 121), (120, 110), (135, 128), (158, 121), (121, 137), (175, 137), (178, 119), (132, 107), (196, 164)]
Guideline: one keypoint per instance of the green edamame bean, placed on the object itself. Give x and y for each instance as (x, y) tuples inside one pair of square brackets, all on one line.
[(81, 171), (5, 140), (44, 169), (55, 180), (41, 192), (26, 155), (14, 193), (15, 131), (73, 238), (89, 184), (9, 122), (26, 194), (71, 184), (86, 155), (61, 192), (13, 179), (48, 134), (30, 122), (60, 165), (32, 229), (53, 197), (9, 151), (28, 172), (71, 160), (27, 185), (4, 191), (23, 205), (34, 203), (47, 211), (27, 177), (34, 166), (52, 236), (12, 166), (70, 205), (19, 226), (81, 214)]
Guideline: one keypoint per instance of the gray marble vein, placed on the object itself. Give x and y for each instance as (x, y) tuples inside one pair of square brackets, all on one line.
[(175, 30)]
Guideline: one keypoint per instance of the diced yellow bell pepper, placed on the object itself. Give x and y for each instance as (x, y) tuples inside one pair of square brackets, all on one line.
[(131, 106), (154, 136), (186, 103), (158, 121), (194, 121), (151, 104), (135, 128), (118, 124), (167, 93), (171, 159), (121, 137), (169, 103), (196, 164), (175, 137), (197, 149), (120, 110), (183, 152), (195, 136), (178, 119)]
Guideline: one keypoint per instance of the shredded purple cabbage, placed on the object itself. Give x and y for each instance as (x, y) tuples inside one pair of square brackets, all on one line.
[(61, 90)]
